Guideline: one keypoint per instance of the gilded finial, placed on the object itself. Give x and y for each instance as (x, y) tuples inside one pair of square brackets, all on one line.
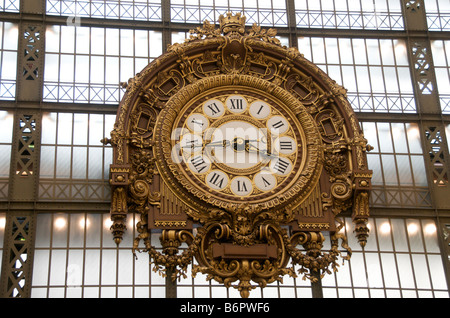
[(232, 23)]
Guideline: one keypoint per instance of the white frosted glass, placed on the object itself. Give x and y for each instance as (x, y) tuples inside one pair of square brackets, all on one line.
[(108, 292), (82, 38), (389, 170), (127, 70), (76, 233), (91, 292), (437, 272), (64, 128), (384, 234), (126, 42), (443, 81), (359, 51), (141, 43), (155, 43), (349, 78), (358, 270), (47, 169), (63, 162), (66, 71), (142, 274), (418, 167), (421, 271), (373, 51), (141, 292), (363, 81), (332, 51), (140, 64), (125, 268), (390, 78), (384, 135), (93, 230), (413, 133), (401, 53), (107, 238), (318, 51), (9, 66), (58, 267), (112, 41), (75, 269), (404, 170), (414, 235), (48, 132), (405, 82), (112, 71), (304, 46), (92, 267), (406, 274), (108, 274), (96, 130), (373, 270), (377, 80), (6, 126), (5, 159), (430, 236), (52, 36), (40, 266), (95, 163), (124, 292), (108, 162), (387, 52), (97, 41), (43, 230), (82, 69), (399, 137), (389, 270), (97, 69), (56, 292), (80, 129), (59, 230), (399, 235), (109, 124), (67, 39)]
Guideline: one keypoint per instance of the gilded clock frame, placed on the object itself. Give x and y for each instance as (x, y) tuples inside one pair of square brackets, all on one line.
[(240, 245)]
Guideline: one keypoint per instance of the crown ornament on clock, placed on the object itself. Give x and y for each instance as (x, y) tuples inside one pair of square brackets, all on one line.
[(232, 23)]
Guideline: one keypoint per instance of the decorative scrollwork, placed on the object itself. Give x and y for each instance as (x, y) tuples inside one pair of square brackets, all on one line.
[(240, 244)]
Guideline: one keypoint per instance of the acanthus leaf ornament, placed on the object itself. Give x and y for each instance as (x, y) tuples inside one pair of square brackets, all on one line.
[(246, 139)]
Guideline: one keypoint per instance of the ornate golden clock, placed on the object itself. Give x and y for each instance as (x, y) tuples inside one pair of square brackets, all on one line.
[(245, 151), (233, 145)]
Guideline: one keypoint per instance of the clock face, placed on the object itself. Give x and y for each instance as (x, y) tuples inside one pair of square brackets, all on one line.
[(238, 146)]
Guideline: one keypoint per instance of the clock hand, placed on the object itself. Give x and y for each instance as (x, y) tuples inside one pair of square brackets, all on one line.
[(223, 143), (251, 148)]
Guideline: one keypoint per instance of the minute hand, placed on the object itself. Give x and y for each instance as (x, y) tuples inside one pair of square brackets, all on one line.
[(250, 148)]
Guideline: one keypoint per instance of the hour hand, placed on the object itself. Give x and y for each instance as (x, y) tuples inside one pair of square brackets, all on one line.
[(222, 143), (251, 148)]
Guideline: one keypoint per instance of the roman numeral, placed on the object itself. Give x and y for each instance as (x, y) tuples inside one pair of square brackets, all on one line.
[(197, 122), (242, 187), (281, 165), (236, 103), (191, 144), (217, 180), (278, 124), (260, 109), (198, 163), (214, 108), (266, 183), (285, 145)]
